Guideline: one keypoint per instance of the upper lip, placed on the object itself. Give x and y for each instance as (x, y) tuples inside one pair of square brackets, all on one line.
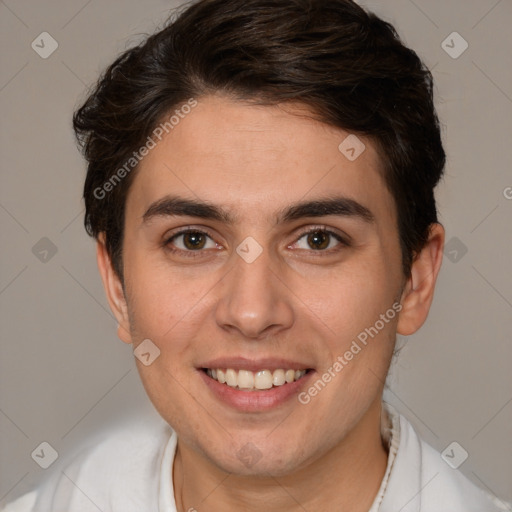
[(254, 365)]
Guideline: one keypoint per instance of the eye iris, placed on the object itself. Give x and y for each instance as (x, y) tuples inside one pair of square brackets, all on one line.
[(318, 240), (194, 240)]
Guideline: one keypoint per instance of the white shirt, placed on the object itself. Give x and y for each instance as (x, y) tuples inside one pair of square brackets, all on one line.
[(131, 471)]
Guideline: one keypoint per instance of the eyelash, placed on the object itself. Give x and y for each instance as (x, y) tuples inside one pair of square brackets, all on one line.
[(316, 229)]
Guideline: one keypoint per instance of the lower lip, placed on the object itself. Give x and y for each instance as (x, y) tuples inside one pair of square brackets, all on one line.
[(254, 401)]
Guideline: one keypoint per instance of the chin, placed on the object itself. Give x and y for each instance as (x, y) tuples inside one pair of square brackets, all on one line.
[(257, 460)]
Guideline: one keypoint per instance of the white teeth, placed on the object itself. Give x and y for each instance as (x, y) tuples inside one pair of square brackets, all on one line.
[(231, 378), (247, 380), (263, 380), (278, 378)]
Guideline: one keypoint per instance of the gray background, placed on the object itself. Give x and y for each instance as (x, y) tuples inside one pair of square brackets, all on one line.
[(64, 375)]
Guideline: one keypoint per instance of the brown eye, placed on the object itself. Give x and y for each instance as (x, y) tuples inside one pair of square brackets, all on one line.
[(318, 240), (190, 241), (194, 240)]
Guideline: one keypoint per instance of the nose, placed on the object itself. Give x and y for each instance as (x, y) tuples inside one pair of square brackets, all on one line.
[(253, 301)]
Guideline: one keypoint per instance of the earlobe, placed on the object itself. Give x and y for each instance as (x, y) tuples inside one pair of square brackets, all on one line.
[(113, 289), (419, 289), (123, 334)]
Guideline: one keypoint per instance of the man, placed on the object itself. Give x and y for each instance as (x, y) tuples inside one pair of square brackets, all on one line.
[(261, 183)]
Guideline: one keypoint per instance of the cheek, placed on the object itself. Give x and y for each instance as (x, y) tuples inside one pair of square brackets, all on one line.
[(161, 299), (353, 307), (349, 297)]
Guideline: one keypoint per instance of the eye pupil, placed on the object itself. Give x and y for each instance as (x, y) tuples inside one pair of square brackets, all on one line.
[(318, 240), (194, 240)]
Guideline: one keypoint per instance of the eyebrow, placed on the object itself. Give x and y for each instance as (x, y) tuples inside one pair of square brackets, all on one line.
[(340, 206)]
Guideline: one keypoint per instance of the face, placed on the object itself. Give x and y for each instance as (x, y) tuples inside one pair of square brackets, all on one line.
[(254, 246)]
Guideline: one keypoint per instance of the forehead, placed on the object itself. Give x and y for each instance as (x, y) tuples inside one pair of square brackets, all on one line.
[(254, 160)]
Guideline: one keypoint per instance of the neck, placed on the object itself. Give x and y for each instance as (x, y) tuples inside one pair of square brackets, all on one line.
[(349, 477)]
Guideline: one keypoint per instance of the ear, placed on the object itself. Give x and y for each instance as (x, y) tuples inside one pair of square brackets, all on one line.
[(419, 289), (113, 289)]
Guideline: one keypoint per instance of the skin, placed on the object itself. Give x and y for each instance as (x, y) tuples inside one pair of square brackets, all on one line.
[(294, 301)]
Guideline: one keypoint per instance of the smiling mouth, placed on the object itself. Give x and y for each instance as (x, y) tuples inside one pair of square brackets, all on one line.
[(246, 380)]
